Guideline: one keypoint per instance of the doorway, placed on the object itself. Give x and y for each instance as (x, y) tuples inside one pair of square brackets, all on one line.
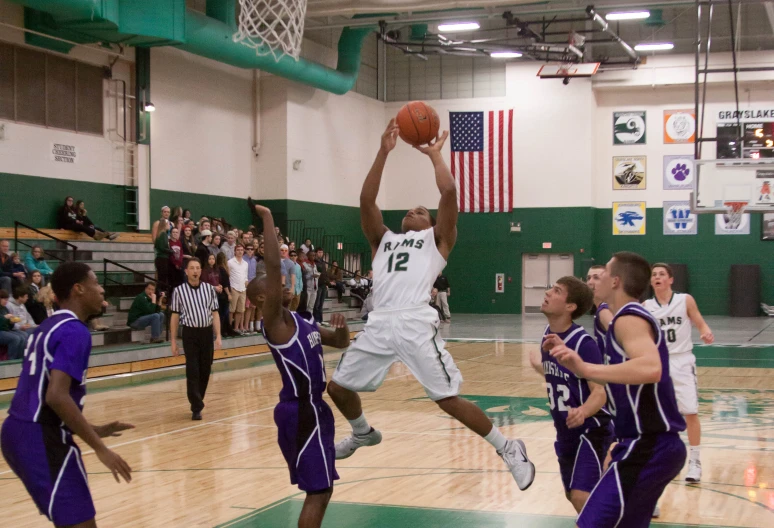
[(539, 272)]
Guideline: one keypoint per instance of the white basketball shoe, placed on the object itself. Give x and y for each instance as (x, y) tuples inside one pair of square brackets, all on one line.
[(515, 457), (694, 471), (347, 447)]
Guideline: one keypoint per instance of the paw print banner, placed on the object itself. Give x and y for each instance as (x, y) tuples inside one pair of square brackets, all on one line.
[(678, 172)]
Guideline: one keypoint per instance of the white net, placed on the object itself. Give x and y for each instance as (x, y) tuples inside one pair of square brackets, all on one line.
[(733, 217), (272, 27)]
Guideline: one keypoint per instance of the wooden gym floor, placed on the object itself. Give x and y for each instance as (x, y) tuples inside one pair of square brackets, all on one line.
[(429, 471)]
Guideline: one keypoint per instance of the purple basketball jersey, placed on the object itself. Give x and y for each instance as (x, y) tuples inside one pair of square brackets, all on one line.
[(600, 333), (641, 409), (61, 342)]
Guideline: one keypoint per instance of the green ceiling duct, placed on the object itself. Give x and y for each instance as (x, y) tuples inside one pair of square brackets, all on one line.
[(207, 36)]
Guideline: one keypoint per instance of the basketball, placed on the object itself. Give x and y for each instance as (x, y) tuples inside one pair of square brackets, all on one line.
[(418, 123)]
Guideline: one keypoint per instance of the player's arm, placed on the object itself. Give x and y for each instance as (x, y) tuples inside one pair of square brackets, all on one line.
[(339, 336), (448, 208), (698, 321), (273, 313), (536, 361), (59, 399), (636, 337), (589, 352), (370, 215), (605, 316)]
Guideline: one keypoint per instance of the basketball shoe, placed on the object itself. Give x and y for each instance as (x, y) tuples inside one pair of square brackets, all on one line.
[(515, 457), (694, 471), (347, 447)]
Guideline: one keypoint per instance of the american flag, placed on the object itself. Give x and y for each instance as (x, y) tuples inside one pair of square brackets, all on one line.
[(482, 160)]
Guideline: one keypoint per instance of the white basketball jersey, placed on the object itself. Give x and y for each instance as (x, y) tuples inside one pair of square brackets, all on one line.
[(405, 268), (674, 321)]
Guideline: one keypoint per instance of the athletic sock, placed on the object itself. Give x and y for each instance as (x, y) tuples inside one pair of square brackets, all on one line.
[(360, 425), (694, 452), (496, 438)]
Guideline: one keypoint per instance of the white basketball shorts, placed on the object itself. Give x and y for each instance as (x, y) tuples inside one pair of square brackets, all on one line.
[(682, 369), (408, 335)]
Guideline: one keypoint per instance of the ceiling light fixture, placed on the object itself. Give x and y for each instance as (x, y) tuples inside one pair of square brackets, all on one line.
[(628, 15), (505, 54), (149, 107), (459, 26), (654, 46)]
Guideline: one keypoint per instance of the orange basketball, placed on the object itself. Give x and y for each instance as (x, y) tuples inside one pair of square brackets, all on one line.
[(418, 123)]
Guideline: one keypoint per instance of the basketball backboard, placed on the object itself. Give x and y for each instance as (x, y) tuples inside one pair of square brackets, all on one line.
[(568, 70), (719, 183)]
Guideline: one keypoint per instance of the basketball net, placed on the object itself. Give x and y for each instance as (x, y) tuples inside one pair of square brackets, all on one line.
[(272, 27), (734, 214)]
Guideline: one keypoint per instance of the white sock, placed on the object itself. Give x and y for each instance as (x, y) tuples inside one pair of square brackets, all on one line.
[(360, 425), (496, 438), (695, 452)]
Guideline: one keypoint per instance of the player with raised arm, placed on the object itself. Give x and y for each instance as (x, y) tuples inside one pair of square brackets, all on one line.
[(583, 429), (675, 312), (403, 326), (37, 437), (649, 453), (304, 421), (602, 313)]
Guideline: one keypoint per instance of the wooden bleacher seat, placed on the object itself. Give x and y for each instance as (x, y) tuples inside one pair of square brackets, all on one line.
[(63, 234)]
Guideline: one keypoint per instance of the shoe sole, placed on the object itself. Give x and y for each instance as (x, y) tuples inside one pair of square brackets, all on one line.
[(692, 479)]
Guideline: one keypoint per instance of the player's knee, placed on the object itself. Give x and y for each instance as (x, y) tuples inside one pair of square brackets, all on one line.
[(446, 404), (335, 390)]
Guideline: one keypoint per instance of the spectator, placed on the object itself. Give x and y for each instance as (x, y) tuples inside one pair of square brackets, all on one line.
[(217, 241), (322, 285), (34, 261), (146, 311), (35, 307), (307, 246), (336, 279), (299, 282), (177, 222), (249, 307), (444, 292), (14, 340), (162, 252), (434, 304), (189, 244), (217, 226), (287, 268), (187, 217), (82, 217), (237, 270), (221, 267), (165, 212), (359, 286), (203, 248), (17, 270), (67, 218), (229, 246), (305, 273), (291, 246), (16, 306), (175, 258), (47, 297), (5, 260), (204, 224), (260, 265), (280, 237), (244, 237), (177, 212), (311, 281)]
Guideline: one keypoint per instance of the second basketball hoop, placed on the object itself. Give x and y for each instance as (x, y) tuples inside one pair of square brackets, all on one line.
[(272, 27)]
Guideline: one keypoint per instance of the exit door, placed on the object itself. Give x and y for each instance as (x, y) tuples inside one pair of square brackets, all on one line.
[(539, 272)]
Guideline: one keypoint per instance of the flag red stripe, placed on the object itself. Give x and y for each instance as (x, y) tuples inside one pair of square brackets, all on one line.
[(457, 178), (500, 172), (481, 182), (510, 160), (471, 179), (491, 207)]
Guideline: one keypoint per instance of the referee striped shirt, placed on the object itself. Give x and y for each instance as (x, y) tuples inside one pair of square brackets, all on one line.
[(195, 305)]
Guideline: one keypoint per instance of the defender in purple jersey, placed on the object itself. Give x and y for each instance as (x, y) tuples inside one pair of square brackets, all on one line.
[(649, 452), (602, 313), (583, 429), (304, 421), (37, 437)]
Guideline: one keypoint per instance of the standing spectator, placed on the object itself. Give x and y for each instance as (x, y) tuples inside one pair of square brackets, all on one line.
[(434, 304), (260, 264), (311, 282), (336, 279), (221, 266), (34, 261), (162, 252), (203, 225), (187, 217), (146, 311), (15, 341), (176, 222), (176, 267), (280, 237), (195, 308), (307, 246), (291, 246), (5, 260), (444, 292), (189, 244), (203, 248), (83, 219), (287, 268), (67, 218), (157, 227), (229, 246), (306, 272), (322, 285), (250, 307), (17, 270), (35, 306), (245, 238), (217, 241), (16, 306), (299, 283), (237, 271)]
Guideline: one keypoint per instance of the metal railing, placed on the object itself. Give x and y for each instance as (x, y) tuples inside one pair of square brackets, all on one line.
[(16, 240)]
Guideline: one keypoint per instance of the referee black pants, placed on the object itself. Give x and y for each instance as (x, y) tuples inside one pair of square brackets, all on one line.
[(199, 348)]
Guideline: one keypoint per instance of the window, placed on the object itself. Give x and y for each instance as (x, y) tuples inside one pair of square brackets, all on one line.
[(46, 89)]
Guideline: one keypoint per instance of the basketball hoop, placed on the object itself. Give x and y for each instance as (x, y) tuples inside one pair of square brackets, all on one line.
[(734, 214), (272, 27)]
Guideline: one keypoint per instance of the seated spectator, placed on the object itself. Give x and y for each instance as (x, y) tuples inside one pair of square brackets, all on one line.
[(203, 248), (230, 245), (17, 270), (336, 279), (67, 218), (165, 212), (16, 306), (47, 297), (5, 262), (35, 307), (80, 209), (176, 261), (146, 311), (359, 286), (13, 339), (189, 244), (34, 261), (217, 241), (307, 246)]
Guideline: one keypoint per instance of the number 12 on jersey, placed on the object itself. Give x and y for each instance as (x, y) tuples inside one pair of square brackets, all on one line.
[(399, 262)]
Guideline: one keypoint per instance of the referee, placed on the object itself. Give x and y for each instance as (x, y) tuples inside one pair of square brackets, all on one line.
[(195, 307)]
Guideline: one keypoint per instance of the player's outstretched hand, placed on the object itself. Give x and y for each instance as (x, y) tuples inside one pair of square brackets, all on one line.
[(434, 146), (338, 321), (551, 341), (112, 429), (390, 136), (575, 417), (260, 210), (115, 464), (568, 358), (708, 338)]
